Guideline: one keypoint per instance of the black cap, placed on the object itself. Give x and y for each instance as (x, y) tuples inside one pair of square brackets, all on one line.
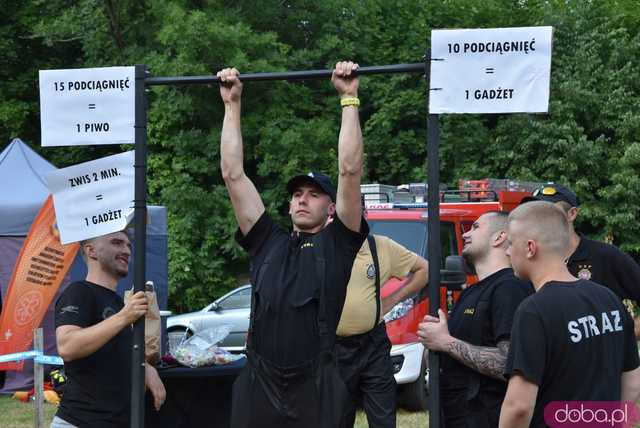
[(553, 193), (315, 178)]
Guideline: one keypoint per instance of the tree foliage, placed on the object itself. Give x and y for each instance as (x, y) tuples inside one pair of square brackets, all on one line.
[(589, 140)]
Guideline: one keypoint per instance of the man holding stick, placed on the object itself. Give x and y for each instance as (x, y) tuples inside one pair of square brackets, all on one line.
[(474, 341), (94, 338)]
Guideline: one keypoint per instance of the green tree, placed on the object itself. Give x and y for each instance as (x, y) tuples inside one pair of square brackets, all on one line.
[(588, 140)]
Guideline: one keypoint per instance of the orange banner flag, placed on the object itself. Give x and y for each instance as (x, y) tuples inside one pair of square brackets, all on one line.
[(40, 268)]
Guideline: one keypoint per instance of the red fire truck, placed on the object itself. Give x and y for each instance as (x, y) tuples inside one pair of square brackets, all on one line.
[(400, 212)]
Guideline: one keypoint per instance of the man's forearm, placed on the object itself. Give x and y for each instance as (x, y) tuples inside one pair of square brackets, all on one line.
[(630, 385), (231, 154), (514, 417), (82, 342), (519, 402), (416, 282), (350, 147), (396, 297), (350, 155), (154, 384), (483, 359), (246, 202)]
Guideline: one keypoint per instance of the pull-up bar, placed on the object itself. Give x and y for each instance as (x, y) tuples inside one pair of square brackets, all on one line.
[(287, 75), (143, 81)]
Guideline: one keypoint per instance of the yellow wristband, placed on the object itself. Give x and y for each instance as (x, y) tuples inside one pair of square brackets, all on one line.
[(350, 101)]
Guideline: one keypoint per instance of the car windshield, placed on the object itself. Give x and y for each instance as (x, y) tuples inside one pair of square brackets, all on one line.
[(410, 234)]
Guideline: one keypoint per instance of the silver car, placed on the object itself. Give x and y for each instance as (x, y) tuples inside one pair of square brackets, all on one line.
[(233, 309)]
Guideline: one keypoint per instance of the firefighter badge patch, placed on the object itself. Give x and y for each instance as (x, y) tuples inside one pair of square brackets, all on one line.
[(584, 273), (371, 271)]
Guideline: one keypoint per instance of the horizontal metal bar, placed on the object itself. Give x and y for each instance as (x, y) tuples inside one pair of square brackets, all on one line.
[(286, 75)]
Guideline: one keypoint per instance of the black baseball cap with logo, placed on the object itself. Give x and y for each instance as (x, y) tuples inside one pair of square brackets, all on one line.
[(315, 178), (553, 193)]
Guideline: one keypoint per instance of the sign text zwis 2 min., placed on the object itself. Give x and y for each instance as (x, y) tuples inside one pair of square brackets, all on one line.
[(93, 198)]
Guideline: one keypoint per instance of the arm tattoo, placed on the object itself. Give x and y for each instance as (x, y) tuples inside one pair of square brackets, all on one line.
[(483, 359)]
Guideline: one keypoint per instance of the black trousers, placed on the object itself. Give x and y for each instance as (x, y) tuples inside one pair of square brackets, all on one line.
[(310, 395), (365, 365), (483, 411)]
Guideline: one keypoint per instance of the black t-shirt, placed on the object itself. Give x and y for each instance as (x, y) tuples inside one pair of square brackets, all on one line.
[(606, 265), (505, 292), (97, 393), (573, 340), (289, 272)]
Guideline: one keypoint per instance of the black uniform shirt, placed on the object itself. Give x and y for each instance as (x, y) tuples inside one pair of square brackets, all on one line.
[(287, 271), (98, 389), (506, 293), (606, 265), (573, 340)]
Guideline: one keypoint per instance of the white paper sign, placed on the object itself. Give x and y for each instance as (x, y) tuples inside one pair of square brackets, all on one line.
[(93, 198), (87, 106), (501, 70)]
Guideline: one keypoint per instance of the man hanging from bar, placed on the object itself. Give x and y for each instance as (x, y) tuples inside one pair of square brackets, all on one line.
[(300, 277)]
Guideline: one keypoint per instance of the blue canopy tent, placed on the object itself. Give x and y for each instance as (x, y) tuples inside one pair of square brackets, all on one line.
[(22, 193)]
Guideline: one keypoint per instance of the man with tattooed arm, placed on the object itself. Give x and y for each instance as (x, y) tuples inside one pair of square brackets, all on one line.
[(474, 342)]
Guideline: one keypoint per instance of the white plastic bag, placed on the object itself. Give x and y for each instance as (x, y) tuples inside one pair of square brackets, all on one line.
[(201, 349)]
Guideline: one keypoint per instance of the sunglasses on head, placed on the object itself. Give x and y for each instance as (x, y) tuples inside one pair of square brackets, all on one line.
[(547, 191)]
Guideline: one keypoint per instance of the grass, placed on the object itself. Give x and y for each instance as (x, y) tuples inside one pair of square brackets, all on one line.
[(404, 419), (16, 414)]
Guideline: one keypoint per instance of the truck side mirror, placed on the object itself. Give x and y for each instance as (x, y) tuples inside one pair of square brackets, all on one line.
[(453, 275)]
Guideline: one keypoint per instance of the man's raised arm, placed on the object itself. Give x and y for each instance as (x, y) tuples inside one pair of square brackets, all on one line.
[(247, 204), (350, 150)]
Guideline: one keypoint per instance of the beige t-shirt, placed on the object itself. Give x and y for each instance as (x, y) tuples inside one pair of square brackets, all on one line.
[(359, 309)]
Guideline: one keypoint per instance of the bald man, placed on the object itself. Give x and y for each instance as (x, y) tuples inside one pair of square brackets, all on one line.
[(573, 339), (597, 261)]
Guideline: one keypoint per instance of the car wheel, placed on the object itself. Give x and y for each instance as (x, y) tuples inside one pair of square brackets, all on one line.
[(415, 396)]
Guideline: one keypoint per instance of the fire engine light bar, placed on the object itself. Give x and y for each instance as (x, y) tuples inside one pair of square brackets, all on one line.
[(391, 205), (408, 206)]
